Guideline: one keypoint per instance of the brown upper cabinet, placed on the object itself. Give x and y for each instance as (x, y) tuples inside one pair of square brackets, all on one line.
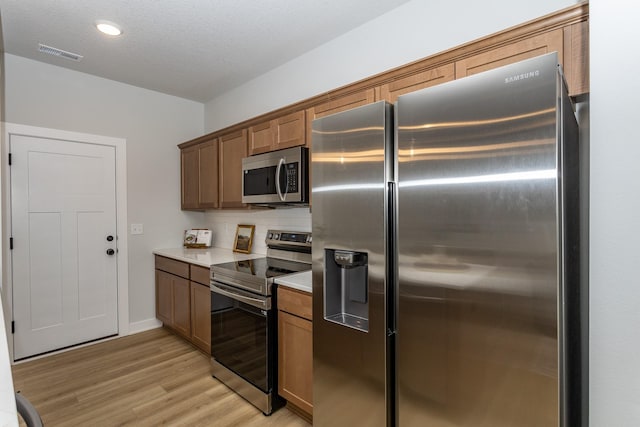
[(233, 148), (576, 58), (212, 172), (511, 53), (423, 79), (203, 186), (570, 43), (199, 164), (282, 132), (337, 105)]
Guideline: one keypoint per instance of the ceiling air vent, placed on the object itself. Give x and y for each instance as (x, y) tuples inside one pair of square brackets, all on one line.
[(58, 52)]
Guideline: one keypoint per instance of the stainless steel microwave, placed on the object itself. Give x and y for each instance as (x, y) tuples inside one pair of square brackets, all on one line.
[(276, 178)]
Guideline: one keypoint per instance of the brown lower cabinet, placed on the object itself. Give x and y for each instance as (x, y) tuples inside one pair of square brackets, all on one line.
[(295, 350), (183, 300), (201, 316)]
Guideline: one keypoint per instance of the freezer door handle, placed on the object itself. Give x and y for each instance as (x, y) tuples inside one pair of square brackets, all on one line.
[(391, 272)]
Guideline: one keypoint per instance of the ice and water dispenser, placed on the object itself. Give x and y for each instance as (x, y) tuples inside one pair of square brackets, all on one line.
[(346, 285)]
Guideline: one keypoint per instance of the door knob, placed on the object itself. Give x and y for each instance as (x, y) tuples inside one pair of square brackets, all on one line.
[(110, 251), (109, 238)]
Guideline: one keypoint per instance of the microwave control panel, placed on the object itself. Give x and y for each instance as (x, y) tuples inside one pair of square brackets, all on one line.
[(292, 177)]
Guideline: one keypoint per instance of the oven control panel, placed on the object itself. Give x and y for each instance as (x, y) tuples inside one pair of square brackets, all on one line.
[(288, 238)]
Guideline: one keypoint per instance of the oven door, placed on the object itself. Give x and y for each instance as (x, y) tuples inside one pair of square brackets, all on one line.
[(243, 334)]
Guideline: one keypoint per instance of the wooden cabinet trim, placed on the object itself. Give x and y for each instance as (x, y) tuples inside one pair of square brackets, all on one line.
[(569, 16)]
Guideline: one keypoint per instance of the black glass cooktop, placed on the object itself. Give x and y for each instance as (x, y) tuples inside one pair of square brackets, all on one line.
[(264, 267)]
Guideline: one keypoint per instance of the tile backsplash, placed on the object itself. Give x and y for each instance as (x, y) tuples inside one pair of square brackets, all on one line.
[(223, 223)]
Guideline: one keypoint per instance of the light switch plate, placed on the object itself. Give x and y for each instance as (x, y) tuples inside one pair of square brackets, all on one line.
[(136, 229)]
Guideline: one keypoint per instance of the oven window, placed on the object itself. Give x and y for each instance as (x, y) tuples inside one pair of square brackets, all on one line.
[(239, 339)]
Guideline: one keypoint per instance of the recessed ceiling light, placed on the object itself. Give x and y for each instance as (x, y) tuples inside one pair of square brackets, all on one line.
[(108, 28)]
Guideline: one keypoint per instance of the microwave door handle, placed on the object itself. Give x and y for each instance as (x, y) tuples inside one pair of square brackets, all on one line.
[(278, 189)]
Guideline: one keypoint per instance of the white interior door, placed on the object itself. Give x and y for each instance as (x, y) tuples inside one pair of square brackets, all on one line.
[(63, 210)]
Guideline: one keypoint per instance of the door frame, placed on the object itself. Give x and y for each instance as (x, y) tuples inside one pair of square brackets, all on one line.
[(120, 145)]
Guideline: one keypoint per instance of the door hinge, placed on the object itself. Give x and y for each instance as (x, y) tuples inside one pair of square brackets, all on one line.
[(13, 326), (10, 243), (9, 159)]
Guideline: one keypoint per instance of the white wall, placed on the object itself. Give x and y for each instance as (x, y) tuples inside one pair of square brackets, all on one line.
[(410, 32), (615, 214), (223, 224), (153, 124)]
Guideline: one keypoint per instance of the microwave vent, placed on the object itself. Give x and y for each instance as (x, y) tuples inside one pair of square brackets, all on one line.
[(59, 52)]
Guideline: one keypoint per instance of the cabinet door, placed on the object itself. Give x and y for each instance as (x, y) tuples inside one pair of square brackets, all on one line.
[(290, 130), (337, 105), (392, 90), (576, 58), (164, 300), (208, 174), (261, 138), (511, 53), (233, 148), (201, 316), (181, 295), (190, 179), (295, 360)]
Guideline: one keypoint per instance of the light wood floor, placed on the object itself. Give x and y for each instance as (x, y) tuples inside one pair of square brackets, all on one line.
[(147, 379)]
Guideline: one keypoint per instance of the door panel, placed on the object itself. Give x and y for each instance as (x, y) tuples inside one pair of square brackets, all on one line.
[(45, 271), (92, 272), (63, 209)]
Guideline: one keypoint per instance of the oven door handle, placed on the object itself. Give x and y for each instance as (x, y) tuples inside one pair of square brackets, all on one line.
[(256, 302)]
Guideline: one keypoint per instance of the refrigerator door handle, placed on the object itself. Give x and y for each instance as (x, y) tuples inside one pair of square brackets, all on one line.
[(391, 271)]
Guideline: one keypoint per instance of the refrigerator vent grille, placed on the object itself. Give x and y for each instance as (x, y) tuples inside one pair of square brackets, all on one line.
[(59, 52)]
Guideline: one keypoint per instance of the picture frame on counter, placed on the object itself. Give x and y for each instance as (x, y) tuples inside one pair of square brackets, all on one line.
[(244, 238)]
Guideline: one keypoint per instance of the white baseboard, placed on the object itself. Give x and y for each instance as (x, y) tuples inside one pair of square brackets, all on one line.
[(144, 325)]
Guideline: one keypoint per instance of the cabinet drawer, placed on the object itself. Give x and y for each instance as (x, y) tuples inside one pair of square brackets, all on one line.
[(200, 274), (295, 302), (172, 266)]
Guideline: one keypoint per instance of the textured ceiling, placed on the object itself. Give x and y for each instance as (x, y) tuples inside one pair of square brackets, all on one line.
[(194, 49)]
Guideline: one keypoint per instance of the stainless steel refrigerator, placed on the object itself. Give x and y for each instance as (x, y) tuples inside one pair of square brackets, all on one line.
[(446, 257)]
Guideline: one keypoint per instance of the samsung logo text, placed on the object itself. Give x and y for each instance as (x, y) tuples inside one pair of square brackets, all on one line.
[(523, 76)]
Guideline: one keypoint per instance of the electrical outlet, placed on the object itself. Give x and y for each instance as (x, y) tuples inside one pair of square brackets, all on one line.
[(136, 229)]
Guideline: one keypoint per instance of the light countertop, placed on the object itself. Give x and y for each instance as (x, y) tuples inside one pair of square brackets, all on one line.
[(300, 281), (208, 257), (204, 257)]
